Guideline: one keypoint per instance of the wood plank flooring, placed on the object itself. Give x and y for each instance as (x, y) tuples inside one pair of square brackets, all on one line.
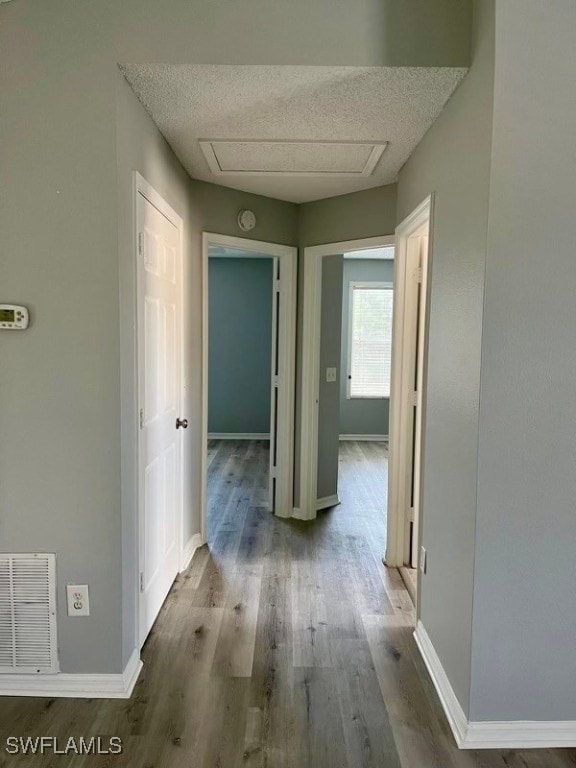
[(284, 645)]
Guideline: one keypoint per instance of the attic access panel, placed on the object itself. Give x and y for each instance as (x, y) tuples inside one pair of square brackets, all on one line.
[(253, 157)]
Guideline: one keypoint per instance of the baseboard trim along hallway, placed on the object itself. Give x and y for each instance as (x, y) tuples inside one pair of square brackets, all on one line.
[(192, 545), (78, 686), (327, 501), (514, 734)]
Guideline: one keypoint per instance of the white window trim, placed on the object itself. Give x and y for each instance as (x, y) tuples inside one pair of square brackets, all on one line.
[(353, 284)]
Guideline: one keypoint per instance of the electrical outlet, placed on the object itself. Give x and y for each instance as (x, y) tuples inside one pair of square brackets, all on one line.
[(330, 374), (422, 562), (78, 602)]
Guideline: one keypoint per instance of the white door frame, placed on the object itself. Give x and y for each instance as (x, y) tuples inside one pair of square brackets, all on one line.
[(311, 362), (402, 385), (288, 259), (143, 187)]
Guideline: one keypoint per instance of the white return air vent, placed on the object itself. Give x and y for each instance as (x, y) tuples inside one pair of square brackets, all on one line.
[(28, 614), (274, 157)]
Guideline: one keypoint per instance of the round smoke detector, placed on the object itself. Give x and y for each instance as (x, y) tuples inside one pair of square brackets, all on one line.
[(246, 220)]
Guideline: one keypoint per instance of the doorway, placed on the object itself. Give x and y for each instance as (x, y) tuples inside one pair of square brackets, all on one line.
[(407, 418), (324, 374), (241, 386)]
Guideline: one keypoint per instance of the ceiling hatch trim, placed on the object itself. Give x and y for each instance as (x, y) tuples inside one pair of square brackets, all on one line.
[(292, 157)]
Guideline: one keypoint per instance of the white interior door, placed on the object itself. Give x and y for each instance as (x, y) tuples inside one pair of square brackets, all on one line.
[(159, 320), (416, 261), (274, 383), (407, 401)]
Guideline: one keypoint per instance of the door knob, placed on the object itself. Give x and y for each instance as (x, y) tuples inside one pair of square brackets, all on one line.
[(182, 423)]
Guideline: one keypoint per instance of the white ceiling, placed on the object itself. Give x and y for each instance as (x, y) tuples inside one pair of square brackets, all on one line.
[(314, 111)]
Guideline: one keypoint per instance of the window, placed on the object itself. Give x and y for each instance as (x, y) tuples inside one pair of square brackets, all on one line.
[(370, 340)]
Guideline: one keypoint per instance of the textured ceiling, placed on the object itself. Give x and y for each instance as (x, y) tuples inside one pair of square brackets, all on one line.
[(364, 104)]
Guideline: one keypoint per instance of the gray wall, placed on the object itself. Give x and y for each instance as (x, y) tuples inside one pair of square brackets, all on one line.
[(453, 161), (140, 147), (329, 400), (369, 213), (204, 207), (240, 344), (499, 480), (367, 33), (70, 374), (360, 416), (523, 649)]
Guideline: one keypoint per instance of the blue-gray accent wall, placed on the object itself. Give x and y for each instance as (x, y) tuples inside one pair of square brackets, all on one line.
[(240, 341), (357, 416)]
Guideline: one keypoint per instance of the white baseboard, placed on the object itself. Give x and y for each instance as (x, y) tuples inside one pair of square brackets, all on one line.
[(521, 734), (454, 712), (366, 438), (408, 582), (239, 436), (324, 503), (192, 545), (75, 686), (327, 501), (513, 734)]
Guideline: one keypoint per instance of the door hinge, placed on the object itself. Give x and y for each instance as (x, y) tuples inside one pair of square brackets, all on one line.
[(141, 581), (140, 243), (418, 275), (141, 418), (411, 514), (277, 285), (415, 401)]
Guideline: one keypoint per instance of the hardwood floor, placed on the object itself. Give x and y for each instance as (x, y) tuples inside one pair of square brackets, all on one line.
[(285, 645)]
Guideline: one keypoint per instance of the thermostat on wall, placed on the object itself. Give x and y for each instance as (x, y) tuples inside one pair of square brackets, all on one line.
[(13, 317)]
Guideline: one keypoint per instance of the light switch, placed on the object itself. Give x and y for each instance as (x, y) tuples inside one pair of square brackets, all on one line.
[(330, 374), (423, 564)]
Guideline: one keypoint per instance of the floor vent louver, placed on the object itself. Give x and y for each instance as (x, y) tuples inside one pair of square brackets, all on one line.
[(28, 614)]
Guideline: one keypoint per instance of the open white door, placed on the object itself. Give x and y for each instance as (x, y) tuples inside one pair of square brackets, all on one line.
[(407, 400), (274, 383), (159, 363), (417, 254)]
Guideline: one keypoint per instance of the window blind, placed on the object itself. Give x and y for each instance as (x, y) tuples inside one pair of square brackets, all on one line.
[(370, 342)]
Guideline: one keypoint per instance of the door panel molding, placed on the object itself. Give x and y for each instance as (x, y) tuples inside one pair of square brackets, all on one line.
[(159, 265)]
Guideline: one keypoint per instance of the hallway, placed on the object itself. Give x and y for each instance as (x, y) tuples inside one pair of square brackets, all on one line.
[(285, 645)]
